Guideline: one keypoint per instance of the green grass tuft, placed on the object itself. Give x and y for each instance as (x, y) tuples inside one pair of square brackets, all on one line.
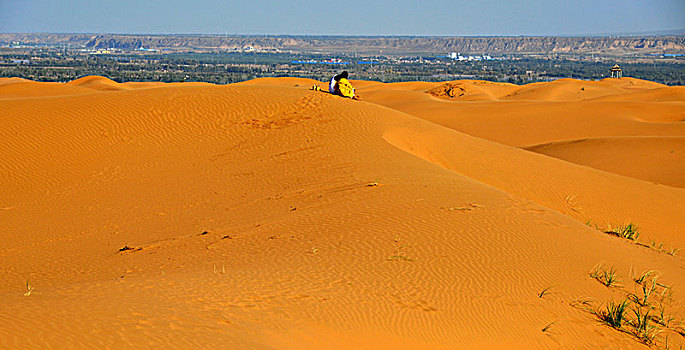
[(662, 318), (628, 232), (641, 319), (608, 278), (646, 290), (645, 331), (643, 278), (615, 313)]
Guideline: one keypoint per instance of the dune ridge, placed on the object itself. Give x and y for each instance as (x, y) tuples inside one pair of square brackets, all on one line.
[(264, 215)]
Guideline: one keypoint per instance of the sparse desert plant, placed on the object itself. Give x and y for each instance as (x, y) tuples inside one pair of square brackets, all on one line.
[(641, 321), (590, 224), (400, 254), (583, 304), (643, 278), (660, 247), (645, 331), (647, 319), (545, 292), (29, 289), (615, 313), (595, 272), (661, 317), (608, 278), (646, 290), (648, 336), (628, 231), (666, 293)]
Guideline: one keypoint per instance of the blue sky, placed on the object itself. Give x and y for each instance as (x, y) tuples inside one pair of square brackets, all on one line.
[(349, 17)]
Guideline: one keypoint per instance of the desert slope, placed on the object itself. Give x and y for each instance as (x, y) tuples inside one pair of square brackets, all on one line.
[(539, 113), (657, 159), (264, 215)]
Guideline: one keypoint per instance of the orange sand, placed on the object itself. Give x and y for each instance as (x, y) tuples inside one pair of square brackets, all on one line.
[(264, 215)]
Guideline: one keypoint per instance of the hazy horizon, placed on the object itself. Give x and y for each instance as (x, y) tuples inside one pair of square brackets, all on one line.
[(380, 18), (670, 32)]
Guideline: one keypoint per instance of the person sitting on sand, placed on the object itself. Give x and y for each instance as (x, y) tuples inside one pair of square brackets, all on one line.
[(339, 85)]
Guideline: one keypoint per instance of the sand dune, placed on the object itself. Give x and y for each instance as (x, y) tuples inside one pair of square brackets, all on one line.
[(656, 159), (264, 215), (12, 88), (578, 192), (97, 83), (671, 93), (535, 114), (578, 90)]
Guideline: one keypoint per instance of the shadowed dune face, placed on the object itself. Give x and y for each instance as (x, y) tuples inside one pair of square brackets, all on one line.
[(650, 158), (265, 215)]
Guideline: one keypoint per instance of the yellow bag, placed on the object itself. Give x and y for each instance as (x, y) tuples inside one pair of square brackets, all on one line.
[(345, 88)]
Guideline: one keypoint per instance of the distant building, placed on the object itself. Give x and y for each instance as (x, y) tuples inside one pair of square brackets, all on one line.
[(457, 56), (616, 71)]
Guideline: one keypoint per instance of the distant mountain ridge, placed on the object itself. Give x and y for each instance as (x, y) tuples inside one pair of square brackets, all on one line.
[(364, 45)]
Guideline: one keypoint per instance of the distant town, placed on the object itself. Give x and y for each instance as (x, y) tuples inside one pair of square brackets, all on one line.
[(131, 60)]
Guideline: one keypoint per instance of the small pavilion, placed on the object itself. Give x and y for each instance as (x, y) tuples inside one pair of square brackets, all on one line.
[(616, 71)]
